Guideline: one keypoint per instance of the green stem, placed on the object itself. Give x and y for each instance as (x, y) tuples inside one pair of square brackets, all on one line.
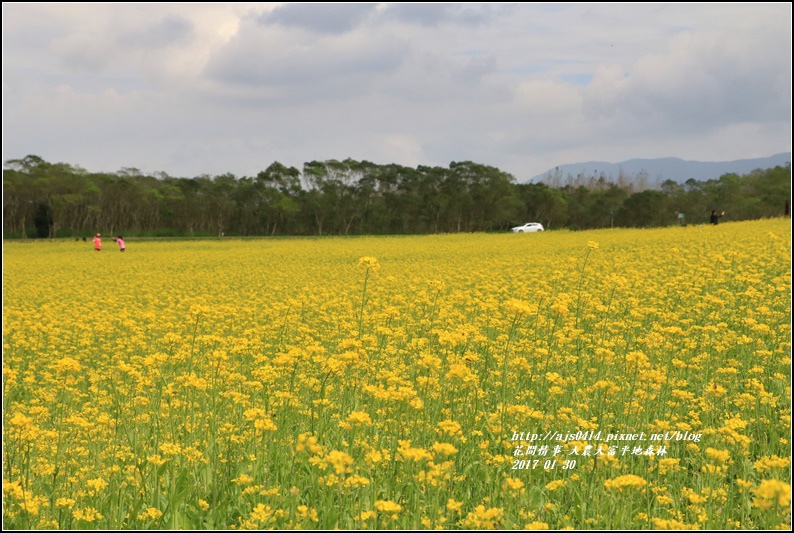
[(363, 300), (579, 290), (504, 372), (193, 343)]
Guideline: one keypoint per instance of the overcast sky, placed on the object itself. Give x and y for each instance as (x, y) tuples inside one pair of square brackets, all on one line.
[(193, 89)]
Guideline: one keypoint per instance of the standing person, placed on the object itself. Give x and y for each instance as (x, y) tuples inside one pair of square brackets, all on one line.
[(715, 218), (120, 240), (98, 243), (681, 218)]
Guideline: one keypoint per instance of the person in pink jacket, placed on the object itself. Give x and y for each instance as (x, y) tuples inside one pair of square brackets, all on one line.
[(98, 242)]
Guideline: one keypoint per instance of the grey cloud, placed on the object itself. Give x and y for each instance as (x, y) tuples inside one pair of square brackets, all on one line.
[(436, 14), (700, 84), (170, 30), (30, 26), (83, 52), (96, 51), (284, 65), (475, 68), (323, 18), (423, 14), (440, 82)]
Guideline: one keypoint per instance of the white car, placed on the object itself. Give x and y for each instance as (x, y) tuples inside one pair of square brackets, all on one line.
[(529, 227)]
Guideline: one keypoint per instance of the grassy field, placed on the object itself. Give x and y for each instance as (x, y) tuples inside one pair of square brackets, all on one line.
[(608, 379)]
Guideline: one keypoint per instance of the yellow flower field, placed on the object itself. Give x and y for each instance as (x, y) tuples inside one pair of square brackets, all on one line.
[(607, 379)]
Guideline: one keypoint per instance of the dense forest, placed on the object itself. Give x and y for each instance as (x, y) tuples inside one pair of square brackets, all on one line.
[(42, 199)]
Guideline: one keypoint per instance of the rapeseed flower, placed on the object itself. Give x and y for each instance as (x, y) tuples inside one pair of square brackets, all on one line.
[(291, 372), (482, 518), (627, 481), (368, 264), (150, 513), (388, 506), (89, 514), (770, 463), (771, 492)]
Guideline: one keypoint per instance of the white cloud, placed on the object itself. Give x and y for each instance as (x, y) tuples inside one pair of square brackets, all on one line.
[(549, 98), (701, 82), (194, 88)]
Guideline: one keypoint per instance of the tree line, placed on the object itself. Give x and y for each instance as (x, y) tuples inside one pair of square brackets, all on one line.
[(42, 199)]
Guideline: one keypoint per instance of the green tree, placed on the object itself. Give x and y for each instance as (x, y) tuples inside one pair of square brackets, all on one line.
[(645, 209)]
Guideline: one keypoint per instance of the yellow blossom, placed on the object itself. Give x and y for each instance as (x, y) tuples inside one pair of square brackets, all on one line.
[(369, 264), (454, 505), (556, 484), (96, 485), (151, 513), (444, 448), (622, 482), (387, 506), (89, 514), (482, 518), (243, 479), (771, 462), (772, 492)]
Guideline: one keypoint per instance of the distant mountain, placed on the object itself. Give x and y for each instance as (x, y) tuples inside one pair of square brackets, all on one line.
[(659, 170)]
